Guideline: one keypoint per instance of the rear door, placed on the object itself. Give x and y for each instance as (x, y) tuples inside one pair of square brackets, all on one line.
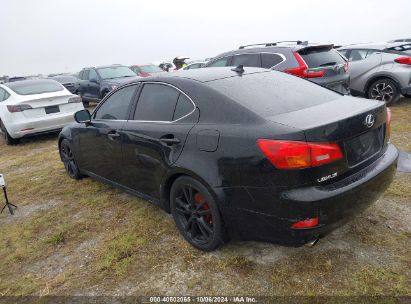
[(361, 63), (101, 140), (325, 59), (155, 137)]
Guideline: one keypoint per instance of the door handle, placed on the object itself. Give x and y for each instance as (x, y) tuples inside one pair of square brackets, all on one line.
[(170, 141)]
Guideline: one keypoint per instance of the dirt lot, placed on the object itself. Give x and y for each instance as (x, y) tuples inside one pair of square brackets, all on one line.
[(85, 238)]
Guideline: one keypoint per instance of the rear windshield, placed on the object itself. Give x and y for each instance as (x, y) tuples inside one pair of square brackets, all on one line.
[(271, 93), (32, 87), (320, 57), (150, 68)]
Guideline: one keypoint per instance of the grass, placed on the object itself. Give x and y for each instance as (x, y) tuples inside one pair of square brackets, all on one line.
[(84, 237)]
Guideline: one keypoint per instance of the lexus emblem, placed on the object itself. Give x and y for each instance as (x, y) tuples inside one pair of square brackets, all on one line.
[(369, 120)]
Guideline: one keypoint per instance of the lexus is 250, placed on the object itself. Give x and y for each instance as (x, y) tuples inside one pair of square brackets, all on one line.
[(234, 153), (30, 107)]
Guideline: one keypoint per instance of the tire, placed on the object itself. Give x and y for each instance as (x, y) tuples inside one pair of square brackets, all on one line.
[(67, 157), (196, 214), (7, 138), (385, 90)]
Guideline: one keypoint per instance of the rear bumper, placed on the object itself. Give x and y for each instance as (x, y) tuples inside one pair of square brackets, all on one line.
[(333, 205), (37, 126)]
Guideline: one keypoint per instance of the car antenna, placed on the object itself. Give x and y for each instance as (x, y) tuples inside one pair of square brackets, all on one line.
[(239, 69)]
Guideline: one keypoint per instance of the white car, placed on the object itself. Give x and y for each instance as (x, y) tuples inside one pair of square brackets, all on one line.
[(30, 107)]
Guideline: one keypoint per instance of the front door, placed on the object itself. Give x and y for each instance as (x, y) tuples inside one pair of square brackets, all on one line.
[(101, 140), (155, 137)]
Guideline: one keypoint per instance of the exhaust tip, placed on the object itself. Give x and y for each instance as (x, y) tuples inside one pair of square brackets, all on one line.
[(312, 243)]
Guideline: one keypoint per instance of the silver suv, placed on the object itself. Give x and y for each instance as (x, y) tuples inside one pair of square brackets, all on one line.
[(379, 71)]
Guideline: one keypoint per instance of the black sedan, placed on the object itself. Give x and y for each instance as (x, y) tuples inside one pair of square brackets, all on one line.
[(237, 154)]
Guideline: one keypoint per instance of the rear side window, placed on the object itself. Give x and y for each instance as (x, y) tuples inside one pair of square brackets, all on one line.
[(3, 95), (116, 106), (184, 106), (272, 92), (270, 60), (247, 60), (317, 57), (220, 62), (357, 55), (157, 102)]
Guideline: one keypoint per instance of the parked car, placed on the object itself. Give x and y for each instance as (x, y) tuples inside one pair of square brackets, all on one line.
[(95, 82), (271, 157), (379, 71), (31, 107), (316, 62), (195, 65), (401, 40), (146, 70), (68, 81), (17, 78)]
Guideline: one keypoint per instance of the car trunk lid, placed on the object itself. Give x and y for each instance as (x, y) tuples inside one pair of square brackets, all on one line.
[(356, 125)]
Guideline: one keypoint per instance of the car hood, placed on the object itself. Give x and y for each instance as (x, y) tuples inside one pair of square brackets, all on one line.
[(121, 80)]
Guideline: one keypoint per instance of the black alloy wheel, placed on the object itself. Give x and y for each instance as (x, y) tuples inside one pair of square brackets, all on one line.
[(69, 162), (196, 214), (384, 90)]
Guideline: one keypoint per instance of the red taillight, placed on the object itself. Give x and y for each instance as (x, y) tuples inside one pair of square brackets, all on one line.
[(403, 60), (297, 154), (18, 108), (307, 223), (388, 125), (302, 70)]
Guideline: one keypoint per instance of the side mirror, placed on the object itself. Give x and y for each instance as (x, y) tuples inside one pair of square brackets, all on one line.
[(94, 80), (82, 116)]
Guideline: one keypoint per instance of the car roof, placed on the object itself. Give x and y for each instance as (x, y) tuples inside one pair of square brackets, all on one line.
[(376, 46), (205, 74), (268, 49)]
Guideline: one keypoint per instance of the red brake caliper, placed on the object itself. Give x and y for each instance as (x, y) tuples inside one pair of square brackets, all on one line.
[(199, 199)]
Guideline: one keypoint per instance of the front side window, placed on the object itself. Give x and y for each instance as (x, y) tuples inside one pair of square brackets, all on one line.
[(92, 75), (157, 102), (247, 60), (220, 62), (117, 105)]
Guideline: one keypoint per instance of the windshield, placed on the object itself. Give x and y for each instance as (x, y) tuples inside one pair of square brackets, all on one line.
[(65, 79), (31, 87), (115, 72), (150, 68)]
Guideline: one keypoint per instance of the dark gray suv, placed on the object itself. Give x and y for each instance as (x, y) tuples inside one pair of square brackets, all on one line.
[(319, 63)]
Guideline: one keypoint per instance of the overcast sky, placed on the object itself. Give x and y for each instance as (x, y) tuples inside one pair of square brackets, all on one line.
[(49, 36)]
